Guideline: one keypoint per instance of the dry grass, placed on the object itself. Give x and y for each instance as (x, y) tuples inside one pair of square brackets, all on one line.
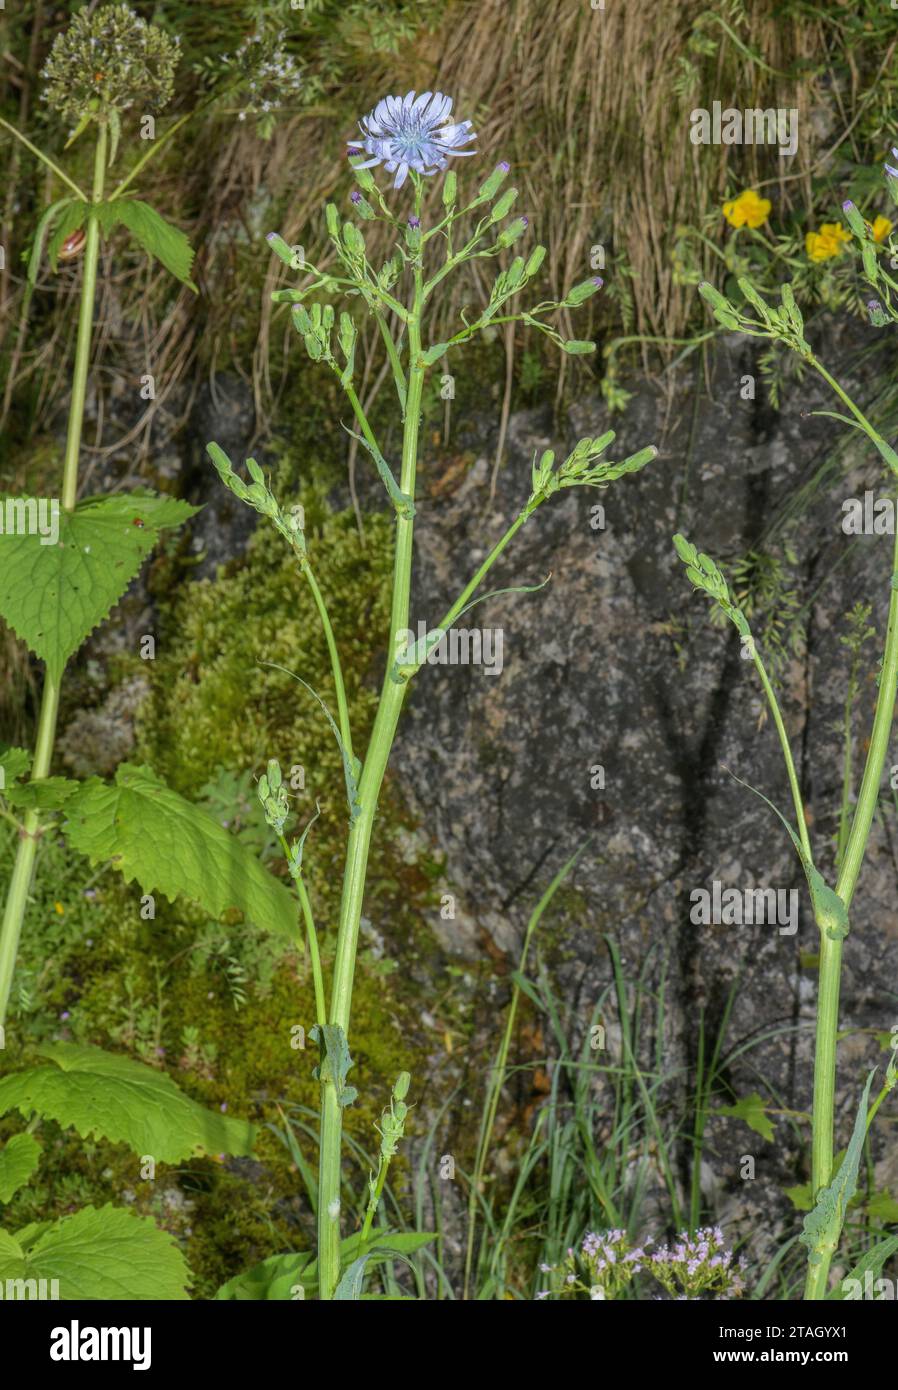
[(591, 107)]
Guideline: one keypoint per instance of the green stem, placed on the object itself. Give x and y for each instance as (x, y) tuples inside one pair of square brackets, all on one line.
[(382, 736), (336, 667), (20, 882), (849, 870), (787, 752), (45, 159), (374, 1199), (847, 768), (311, 935), (154, 147), (395, 360)]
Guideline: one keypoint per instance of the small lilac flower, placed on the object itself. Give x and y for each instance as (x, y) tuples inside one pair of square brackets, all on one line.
[(355, 196), (64, 1015), (411, 132), (890, 170), (414, 222)]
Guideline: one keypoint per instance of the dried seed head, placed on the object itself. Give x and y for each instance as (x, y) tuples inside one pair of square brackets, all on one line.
[(111, 59)]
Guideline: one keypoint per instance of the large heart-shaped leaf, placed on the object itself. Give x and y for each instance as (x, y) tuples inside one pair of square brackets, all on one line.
[(54, 595), (97, 1253), (104, 1095)]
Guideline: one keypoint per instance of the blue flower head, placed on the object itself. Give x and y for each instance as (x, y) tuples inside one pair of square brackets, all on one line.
[(411, 132)]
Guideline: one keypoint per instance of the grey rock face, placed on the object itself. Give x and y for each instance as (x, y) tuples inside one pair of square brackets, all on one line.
[(616, 663)]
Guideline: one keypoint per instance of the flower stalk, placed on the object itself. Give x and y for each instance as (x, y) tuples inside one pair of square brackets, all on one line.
[(26, 850)]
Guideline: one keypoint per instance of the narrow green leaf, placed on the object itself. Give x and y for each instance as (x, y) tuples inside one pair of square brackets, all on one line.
[(115, 134), (822, 1227), (71, 217), (349, 772), (48, 216), (871, 1264), (273, 1279), (350, 1286)]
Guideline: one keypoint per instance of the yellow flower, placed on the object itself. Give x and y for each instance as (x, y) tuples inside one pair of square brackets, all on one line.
[(881, 228), (60, 909), (826, 243), (748, 210)]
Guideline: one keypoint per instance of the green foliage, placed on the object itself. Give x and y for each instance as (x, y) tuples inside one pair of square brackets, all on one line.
[(165, 843), (280, 1276), (67, 217), (103, 1095), (105, 1253), (150, 230), (871, 1263), (54, 595), (823, 1226), (336, 1062), (209, 671), (753, 1110), (19, 1157)]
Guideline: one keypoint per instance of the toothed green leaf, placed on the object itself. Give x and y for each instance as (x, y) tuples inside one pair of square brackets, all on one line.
[(165, 843), (53, 596), (103, 1095), (99, 1253), (19, 1157)]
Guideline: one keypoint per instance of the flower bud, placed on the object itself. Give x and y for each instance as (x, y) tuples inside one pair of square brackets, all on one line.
[(585, 290), (854, 219), (283, 251), (504, 205), (450, 190), (362, 206), (495, 181), (400, 1089), (513, 232), (363, 177)]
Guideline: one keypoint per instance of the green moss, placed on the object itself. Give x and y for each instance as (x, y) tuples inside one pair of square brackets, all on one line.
[(216, 1004)]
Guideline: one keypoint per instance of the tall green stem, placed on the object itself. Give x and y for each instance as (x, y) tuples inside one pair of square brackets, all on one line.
[(382, 735), (20, 882), (850, 867)]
